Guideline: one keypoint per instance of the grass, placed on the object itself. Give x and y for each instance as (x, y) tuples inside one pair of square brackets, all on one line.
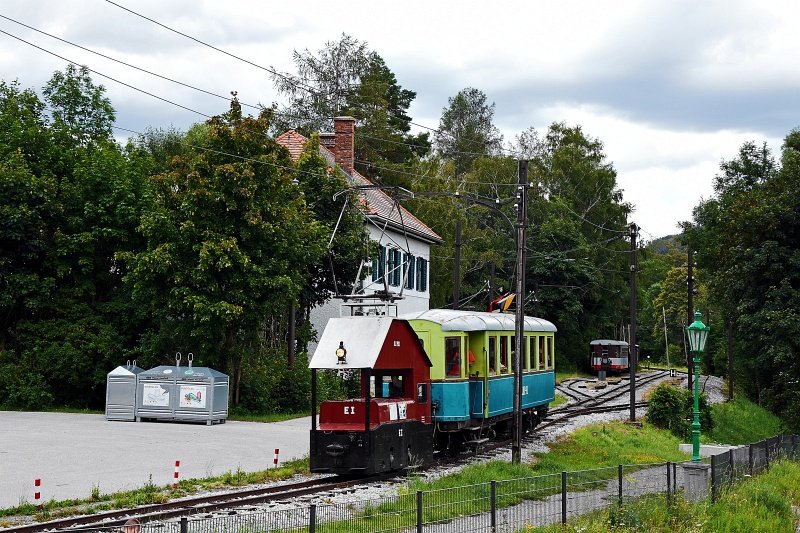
[(760, 504), (742, 422), (267, 418), (151, 493), (559, 400), (609, 444)]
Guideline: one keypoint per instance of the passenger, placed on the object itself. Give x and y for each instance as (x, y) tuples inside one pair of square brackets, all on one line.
[(455, 364), (396, 387), (470, 360)]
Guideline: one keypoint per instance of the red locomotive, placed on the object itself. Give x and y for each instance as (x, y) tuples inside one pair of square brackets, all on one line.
[(389, 426)]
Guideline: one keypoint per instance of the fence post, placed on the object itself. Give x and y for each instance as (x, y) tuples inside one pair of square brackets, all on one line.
[(766, 453), (494, 505), (733, 466), (312, 518), (669, 481), (619, 480), (750, 458), (794, 447), (563, 497), (674, 478), (184, 524), (713, 478), (419, 511)]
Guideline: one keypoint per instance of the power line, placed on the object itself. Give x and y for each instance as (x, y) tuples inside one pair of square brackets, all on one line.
[(291, 80), (106, 76), (220, 50)]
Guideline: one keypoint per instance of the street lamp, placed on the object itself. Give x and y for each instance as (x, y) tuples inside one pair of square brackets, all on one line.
[(698, 335)]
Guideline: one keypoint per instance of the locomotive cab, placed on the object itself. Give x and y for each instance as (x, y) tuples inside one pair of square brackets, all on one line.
[(389, 426)]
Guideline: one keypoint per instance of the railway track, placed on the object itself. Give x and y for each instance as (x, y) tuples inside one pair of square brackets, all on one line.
[(588, 404), (195, 505)]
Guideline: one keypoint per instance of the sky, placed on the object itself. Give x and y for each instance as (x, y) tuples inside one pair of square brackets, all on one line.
[(671, 88)]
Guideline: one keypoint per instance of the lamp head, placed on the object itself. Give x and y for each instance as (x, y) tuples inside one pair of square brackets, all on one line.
[(697, 333)]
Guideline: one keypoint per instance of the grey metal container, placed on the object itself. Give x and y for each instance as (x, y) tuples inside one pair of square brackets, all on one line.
[(197, 394), (121, 392)]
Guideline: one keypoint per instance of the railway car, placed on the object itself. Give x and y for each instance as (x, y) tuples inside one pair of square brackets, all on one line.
[(437, 379), (609, 355), (472, 372)]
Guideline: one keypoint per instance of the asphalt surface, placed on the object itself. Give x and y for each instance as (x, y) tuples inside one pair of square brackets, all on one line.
[(74, 453)]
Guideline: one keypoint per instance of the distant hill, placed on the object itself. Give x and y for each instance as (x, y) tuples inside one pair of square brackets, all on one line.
[(662, 244)]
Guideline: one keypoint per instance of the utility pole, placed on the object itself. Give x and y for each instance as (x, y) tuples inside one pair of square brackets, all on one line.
[(457, 266), (519, 350), (291, 341), (633, 353), (689, 312)]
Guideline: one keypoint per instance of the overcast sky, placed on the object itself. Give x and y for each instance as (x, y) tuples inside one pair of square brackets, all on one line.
[(670, 87)]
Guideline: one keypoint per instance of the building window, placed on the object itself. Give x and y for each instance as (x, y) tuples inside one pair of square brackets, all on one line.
[(394, 267), (422, 274), (379, 265), (409, 271)]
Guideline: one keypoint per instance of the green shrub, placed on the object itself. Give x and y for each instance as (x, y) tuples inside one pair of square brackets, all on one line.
[(671, 408)]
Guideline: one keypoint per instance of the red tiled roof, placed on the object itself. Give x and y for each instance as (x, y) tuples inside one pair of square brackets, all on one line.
[(375, 202)]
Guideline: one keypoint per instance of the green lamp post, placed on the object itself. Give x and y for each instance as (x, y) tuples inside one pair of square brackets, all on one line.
[(698, 335)]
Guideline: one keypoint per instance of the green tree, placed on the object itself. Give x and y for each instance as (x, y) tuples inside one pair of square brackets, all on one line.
[(747, 239), (78, 105), (346, 78), (579, 255), (73, 199), (466, 130), (230, 242)]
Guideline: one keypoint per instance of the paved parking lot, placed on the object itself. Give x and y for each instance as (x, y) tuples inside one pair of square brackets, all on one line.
[(73, 453)]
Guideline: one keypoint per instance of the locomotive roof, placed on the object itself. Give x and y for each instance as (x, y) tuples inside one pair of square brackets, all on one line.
[(454, 320), (363, 338), (608, 342)]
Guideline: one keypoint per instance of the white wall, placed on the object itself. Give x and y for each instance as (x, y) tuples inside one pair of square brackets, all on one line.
[(413, 300)]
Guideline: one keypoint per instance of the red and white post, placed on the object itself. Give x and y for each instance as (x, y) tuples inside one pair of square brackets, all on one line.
[(177, 473), (37, 494), (275, 459)]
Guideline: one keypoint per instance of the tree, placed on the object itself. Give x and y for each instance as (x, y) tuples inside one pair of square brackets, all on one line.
[(577, 236), (466, 131), (748, 242), (323, 85), (71, 199), (229, 243), (346, 78), (78, 105)]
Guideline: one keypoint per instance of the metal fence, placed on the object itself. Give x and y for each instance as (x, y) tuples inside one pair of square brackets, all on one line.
[(749, 460), (507, 505)]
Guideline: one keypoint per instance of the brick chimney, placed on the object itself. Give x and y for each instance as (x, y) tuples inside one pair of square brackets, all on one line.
[(344, 129)]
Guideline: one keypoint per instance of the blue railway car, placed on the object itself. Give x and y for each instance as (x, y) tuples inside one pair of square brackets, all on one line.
[(472, 379)]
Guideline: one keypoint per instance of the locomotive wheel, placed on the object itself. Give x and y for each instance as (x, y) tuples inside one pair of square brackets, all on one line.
[(455, 444)]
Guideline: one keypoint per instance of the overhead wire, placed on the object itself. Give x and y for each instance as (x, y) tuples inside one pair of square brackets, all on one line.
[(289, 79), (220, 50)]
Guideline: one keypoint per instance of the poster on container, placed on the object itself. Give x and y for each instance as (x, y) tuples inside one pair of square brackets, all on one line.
[(193, 396), (155, 395)]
